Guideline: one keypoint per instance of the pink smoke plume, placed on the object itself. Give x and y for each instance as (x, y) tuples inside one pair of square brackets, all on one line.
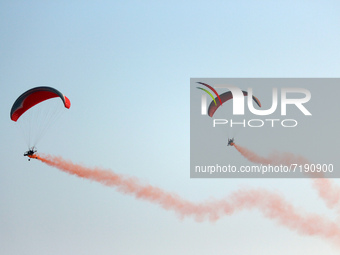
[(326, 188), (273, 206)]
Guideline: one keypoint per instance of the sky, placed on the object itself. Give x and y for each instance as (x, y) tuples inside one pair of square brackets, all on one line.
[(126, 67)]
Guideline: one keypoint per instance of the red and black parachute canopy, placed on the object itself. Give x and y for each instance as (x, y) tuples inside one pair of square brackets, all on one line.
[(35, 96)]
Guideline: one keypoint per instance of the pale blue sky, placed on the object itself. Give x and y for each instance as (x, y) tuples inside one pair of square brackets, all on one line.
[(126, 67)]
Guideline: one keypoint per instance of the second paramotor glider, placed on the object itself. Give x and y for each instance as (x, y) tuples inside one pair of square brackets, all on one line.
[(224, 98)]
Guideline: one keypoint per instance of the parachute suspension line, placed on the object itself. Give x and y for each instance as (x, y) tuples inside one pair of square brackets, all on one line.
[(25, 126), (24, 133), (42, 117), (237, 130), (49, 116)]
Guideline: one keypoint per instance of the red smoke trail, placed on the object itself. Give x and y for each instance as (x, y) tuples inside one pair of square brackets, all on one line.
[(273, 206), (327, 189)]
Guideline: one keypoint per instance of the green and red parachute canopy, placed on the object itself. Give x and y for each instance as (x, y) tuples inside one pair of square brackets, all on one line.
[(35, 96), (224, 98)]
